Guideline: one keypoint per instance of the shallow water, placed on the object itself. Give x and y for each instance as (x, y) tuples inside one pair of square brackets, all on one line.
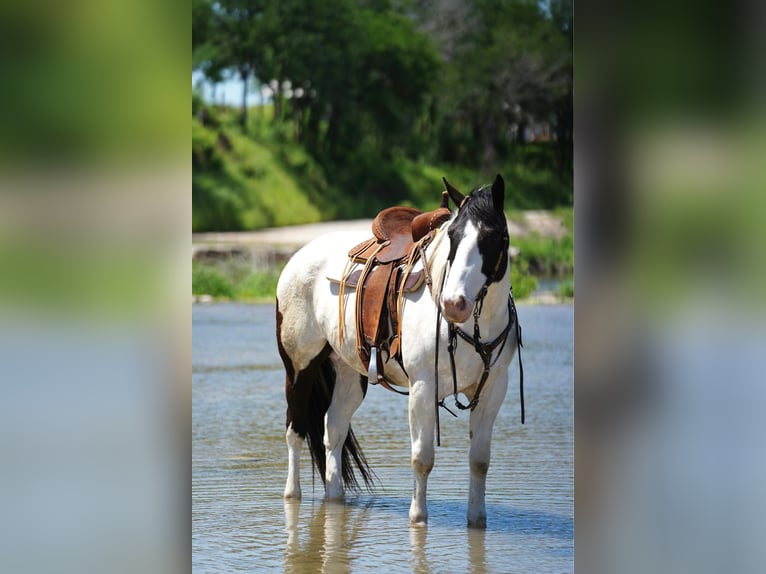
[(239, 463)]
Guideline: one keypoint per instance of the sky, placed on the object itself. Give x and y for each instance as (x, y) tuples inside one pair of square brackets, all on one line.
[(228, 92)]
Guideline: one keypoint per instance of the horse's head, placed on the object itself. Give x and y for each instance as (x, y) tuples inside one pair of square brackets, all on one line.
[(478, 254)]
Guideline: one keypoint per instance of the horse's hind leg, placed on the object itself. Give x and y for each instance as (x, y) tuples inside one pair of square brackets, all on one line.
[(302, 356), (294, 449), (346, 398)]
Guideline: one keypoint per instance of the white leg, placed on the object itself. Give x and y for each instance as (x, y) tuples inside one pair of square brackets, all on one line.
[(481, 423), (294, 448), (346, 398), (422, 437)]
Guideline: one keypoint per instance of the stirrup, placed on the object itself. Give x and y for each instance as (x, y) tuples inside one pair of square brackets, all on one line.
[(372, 372)]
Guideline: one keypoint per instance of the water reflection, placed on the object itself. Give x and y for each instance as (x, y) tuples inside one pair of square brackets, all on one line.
[(333, 530), (418, 561), (477, 552), (329, 538)]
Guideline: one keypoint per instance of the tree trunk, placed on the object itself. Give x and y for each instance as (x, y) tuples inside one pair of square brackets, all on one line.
[(312, 128), (243, 120), (276, 98)]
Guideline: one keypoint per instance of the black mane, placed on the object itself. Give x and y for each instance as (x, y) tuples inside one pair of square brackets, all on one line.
[(480, 208)]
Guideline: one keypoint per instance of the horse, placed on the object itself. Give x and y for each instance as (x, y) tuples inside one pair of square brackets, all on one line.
[(466, 308)]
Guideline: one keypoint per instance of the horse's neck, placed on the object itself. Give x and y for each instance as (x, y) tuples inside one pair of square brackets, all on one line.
[(494, 315), (436, 256)]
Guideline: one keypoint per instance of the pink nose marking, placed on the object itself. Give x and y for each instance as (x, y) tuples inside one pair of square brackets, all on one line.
[(456, 310)]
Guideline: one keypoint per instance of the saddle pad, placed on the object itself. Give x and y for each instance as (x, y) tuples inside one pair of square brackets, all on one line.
[(413, 283)]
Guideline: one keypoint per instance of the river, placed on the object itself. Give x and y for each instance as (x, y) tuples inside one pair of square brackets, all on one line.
[(240, 521)]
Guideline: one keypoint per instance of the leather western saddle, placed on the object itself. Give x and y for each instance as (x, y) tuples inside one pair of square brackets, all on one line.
[(400, 235)]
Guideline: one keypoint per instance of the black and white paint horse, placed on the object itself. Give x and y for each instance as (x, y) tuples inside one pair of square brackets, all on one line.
[(478, 334)]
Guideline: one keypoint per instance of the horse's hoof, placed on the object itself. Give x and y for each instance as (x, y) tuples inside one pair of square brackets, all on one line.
[(292, 494), (418, 520), (334, 495), (478, 522)]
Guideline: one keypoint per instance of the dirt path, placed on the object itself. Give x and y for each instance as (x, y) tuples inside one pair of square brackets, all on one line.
[(280, 242)]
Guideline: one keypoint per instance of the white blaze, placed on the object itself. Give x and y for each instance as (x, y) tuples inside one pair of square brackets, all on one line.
[(465, 278)]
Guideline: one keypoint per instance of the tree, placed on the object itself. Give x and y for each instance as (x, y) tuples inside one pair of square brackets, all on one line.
[(509, 64)]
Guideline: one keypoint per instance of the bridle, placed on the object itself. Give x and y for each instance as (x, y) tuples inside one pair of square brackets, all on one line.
[(483, 349)]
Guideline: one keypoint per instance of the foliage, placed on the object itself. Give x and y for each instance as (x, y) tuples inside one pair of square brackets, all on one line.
[(374, 91), (263, 178), (522, 282), (546, 255), (208, 280), (566, 289), (234, 279), (238, 280), (239, 183)]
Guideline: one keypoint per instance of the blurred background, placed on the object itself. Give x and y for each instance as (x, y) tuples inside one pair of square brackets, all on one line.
[(345, 107), (94, 279), (306, 112), (95, 212), (669, 323)]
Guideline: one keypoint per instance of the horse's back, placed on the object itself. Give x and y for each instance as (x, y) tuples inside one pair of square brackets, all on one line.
[(304, 288), (322, 257)]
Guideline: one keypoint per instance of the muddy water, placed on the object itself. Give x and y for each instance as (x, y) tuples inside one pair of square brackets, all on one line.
[(241, 523)]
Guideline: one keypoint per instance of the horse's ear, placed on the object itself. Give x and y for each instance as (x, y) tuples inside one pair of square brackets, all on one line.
[(498, 193), (456, 196)]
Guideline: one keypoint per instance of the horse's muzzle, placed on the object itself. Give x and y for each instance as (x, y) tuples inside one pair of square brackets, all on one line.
[(456, 310)]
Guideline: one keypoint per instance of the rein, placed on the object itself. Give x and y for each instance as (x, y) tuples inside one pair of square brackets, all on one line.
[(484, 350)]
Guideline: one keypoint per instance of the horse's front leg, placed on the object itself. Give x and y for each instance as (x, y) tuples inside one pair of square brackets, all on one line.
[(481, 423), (422, 436)]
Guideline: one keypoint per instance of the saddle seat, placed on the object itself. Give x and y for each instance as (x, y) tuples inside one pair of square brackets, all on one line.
[(400, 234)]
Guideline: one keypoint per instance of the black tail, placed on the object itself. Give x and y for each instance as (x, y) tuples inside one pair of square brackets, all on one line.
[(319, 402), (308, 394)]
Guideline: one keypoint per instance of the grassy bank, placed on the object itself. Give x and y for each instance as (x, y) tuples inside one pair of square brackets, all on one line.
[(236, 279), (261, 178), (233, 281)]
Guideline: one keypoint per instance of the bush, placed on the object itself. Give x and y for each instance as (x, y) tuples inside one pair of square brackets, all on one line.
[(208, 280), (547, 256), (522, 283), (566, 289), (258, 285)]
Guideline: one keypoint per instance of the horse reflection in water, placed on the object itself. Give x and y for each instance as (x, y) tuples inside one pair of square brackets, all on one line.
[(334, 529), (464, 308), (331, 536)]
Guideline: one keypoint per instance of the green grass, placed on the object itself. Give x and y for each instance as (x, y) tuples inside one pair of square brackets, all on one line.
[(241, 183), (263, 178), (522, 282), (209, 280), (234, 280), (546, 255), (566, 289)]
